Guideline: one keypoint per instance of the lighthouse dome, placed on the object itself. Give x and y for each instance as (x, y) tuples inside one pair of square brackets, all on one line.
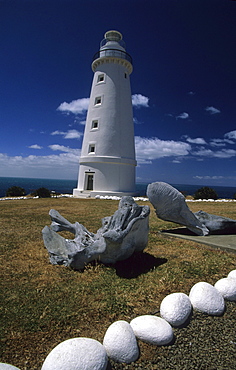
[(112, 40), (113, 35)]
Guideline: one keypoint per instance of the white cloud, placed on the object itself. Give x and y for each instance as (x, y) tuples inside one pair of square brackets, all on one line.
[(79, 106), (58, 132), (224, 153), (230, 135), (197, 140), (191, 93), (183, 115), (204, 152), (35, 146), (212, 110), (61, 148), (66, 149), (62, 166), (71, 134), (148, 149), (208, 177), (217, 142), (139, 100), (229, 138), (136, 121)]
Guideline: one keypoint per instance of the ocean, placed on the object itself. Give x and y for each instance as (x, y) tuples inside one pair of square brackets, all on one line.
[(67, 186)]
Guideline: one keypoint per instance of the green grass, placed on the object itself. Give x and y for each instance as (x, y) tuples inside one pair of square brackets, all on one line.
[(42, 304)]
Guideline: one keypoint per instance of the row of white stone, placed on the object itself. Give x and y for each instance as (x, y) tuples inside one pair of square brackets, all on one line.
[(18, 198), (71, 196), (110, 197), (113, 197), (211, 200), (145, 199), (37, 197), (120, 340)]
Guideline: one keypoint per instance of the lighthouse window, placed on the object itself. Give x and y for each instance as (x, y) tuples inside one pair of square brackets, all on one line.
[(95, 124), (98, 100), (100, 78), (125, 75), (92, 148)]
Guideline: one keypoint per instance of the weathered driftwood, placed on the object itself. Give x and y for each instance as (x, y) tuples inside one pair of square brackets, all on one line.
[(120, 235)]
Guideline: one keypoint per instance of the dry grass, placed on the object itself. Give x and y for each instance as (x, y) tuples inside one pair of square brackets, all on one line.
[(43, 305)]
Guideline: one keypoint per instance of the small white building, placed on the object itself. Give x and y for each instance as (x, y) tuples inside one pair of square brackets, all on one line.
[(107, 162)]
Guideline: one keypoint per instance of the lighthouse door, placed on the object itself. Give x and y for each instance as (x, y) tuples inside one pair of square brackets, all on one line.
[(89, 181)]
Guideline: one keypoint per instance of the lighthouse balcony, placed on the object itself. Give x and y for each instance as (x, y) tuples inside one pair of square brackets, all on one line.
[(113, 53)]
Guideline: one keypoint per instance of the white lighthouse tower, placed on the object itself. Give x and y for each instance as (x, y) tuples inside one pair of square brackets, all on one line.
[(107, 162)]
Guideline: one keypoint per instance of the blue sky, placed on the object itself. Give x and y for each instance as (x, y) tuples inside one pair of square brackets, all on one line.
[(183, 85)]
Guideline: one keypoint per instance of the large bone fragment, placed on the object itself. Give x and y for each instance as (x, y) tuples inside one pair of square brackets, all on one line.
[(120, 235), (170, 205)]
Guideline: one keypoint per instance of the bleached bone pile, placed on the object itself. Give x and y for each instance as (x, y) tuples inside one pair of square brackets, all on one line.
[(120, 340)]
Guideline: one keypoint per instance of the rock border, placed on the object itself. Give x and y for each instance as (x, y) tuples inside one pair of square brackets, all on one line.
[(112, 197), (123, 352)]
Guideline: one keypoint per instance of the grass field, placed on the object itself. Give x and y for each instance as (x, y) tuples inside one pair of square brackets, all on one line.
[(43, 304)]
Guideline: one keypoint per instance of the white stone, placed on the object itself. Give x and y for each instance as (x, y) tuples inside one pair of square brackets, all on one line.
[(227, 287), (176, 308), (152, 329), (232, 274), (77, 354), (120, 342), (206, 298), (4, 366)]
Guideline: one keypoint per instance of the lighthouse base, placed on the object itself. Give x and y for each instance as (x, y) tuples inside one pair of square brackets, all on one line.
[(93, 194), (106, 177)]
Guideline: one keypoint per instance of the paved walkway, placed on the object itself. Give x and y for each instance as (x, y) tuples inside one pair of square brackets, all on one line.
[(225, 242)]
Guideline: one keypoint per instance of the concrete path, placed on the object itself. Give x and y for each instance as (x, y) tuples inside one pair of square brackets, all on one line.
[(225, 242)]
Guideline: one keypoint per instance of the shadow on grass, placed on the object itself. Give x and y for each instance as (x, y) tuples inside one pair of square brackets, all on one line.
[(139, 263), (185, 231), (180, 231)]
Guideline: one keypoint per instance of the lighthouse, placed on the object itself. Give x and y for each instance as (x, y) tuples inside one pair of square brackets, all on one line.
[(107, 162)]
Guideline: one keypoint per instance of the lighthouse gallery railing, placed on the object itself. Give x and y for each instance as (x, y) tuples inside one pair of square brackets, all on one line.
[(112, 53)]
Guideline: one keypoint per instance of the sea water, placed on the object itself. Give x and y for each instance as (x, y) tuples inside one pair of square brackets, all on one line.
[(67, 186), (30, 185)]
